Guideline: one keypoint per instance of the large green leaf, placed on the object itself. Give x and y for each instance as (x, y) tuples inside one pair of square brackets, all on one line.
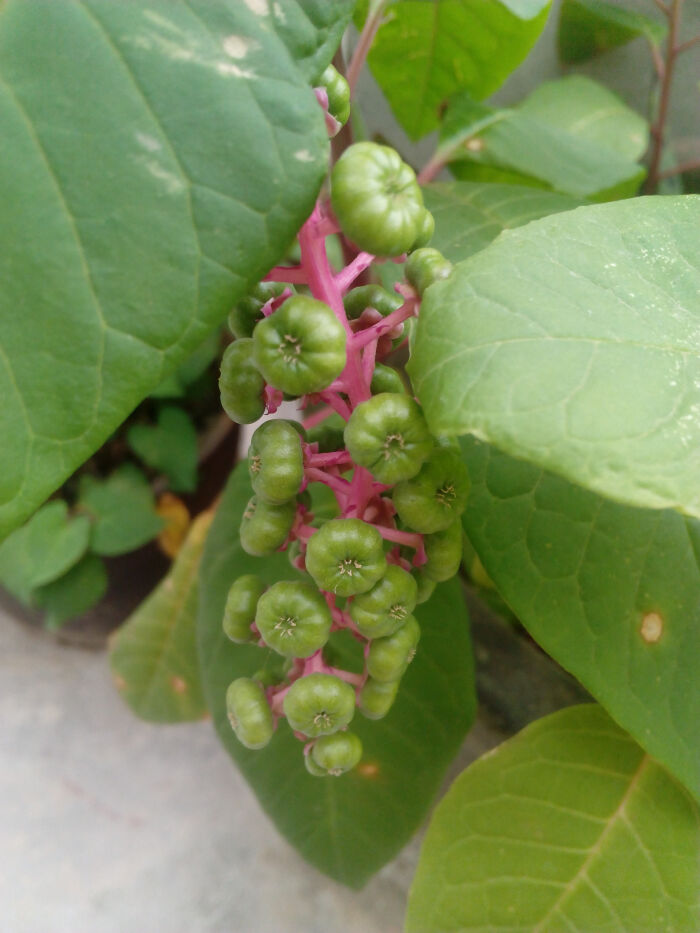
[(469, 216), (427, 52), (574, 342), (153, 655), (569, 826), (572, 135), (42, 550), (156, 161), (589, 27), (611, 592), (311, 29), (350, 826)]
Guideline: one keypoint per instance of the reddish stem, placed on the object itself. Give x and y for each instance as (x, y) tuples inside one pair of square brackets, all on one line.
[(294, 274)]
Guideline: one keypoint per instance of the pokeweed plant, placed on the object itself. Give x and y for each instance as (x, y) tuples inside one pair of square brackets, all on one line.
[(549, 319)]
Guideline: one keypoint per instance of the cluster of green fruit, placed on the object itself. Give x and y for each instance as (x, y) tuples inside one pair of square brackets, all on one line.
[(400, 492)]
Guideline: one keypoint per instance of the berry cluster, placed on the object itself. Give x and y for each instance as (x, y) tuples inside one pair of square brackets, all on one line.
[(399, 490)]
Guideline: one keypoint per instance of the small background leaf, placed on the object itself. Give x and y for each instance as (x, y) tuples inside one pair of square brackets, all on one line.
[(572, 135), (468, 215), (42, 550), (74, 593), (589, 27), (153, 656), (427, 52), (169, 447), (567, 826), (573, 343), (351, 826), (122, 509)]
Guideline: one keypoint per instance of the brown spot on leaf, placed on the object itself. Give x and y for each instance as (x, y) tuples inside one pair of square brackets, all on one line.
[(652, 627), (368, 769), (119, 682), (178, 684)]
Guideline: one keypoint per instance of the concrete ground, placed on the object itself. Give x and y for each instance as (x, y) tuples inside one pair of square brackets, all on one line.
[(110, 825)]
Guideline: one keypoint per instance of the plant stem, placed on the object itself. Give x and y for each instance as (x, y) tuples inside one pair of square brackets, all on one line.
[(369, 31), (693, 165), (658, 128)]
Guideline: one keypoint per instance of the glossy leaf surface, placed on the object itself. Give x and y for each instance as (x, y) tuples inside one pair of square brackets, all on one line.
[(427, 52), (569, 826), (156, 161), (611, 592), (350, 826), (574, 343)]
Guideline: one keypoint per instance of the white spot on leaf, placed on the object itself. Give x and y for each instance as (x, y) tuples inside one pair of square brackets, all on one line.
[(149, 143), (228, 69), (239, 46), (259, 7), (652, 627), (303, 155)]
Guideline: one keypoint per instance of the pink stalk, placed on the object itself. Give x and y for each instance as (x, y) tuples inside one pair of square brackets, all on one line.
[(317, 417), (347, 276), (337, 483), (294, 274), (409, 538), (369, 358), (333, 458), (336, 403), (387, 324)]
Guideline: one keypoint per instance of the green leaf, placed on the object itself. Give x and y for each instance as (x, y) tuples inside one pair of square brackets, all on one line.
[(573, 343), (153, 656), (74, 593), (469, 216), (426, 52), (156, 161), (43, 549), (170, 447), (611, 592), (589, 27), (573, 134), (351, 826), (311, 30), (566, 827), (122, 508), (175, 384)]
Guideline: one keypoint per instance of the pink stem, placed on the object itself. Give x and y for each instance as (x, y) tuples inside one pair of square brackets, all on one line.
[(333, 458), (337, 403), (369, 31), (334, 482), (347, 276), (375, 331), (369, 358), (317, 417), (409, 538), (294, 274)]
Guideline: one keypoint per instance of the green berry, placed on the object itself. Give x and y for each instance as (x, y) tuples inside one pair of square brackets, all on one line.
[(384, 609), (359, 299), (426, 231), (249, 713), (301, 347), (239, 613), (377, 698), (346, 556), (319, 704), (434, 498), (246, 314), (240, 383), (265, 527), (389, 657), (336, 754), (313, 768), (425, 585), (425, 266), (293, 619), (338, 91), (276, 461), (377, 200), (388, 435), (386, 379), (444, 552)]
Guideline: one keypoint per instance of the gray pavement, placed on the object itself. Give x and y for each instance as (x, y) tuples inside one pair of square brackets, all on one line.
[(111, 825)]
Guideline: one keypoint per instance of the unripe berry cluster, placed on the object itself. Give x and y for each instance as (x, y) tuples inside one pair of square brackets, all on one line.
[(399, 490)]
